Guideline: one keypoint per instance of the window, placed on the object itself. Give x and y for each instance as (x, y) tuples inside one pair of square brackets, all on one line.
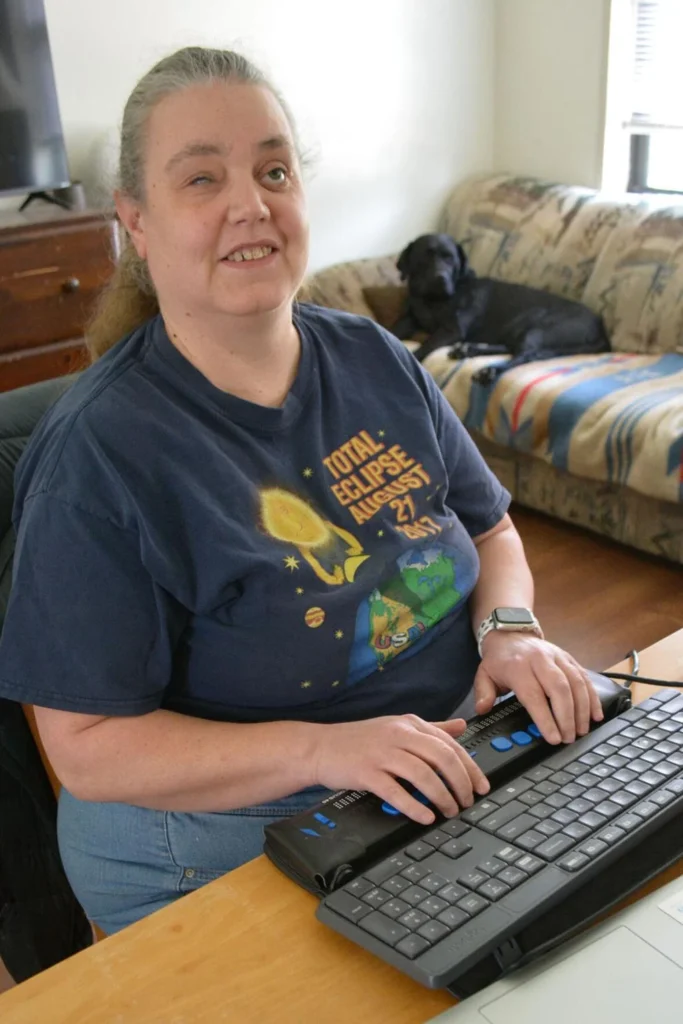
[(656, 101)]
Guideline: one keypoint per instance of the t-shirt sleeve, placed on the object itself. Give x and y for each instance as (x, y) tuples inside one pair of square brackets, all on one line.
[(87, 629), (475, 494)]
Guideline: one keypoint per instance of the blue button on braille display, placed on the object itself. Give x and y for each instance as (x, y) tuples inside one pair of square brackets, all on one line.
[(321, 818), (534, 730), (522, 739), (501, 743), (388, 809)]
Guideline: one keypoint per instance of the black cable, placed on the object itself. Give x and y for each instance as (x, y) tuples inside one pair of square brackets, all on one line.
[(642, 679)]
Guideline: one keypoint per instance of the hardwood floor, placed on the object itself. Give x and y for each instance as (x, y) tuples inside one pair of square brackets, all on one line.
[(596, 598)]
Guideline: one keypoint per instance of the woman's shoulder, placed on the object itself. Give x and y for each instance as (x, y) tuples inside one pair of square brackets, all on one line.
[(337, 326)]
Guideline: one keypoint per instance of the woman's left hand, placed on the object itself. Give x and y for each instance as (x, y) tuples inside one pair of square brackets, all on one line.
[(551, 685)]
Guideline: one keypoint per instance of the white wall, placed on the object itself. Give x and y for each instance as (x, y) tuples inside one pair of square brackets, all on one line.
[(550, 85), (395, 96)]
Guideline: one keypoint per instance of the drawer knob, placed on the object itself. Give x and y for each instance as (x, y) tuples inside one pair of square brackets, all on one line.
[(72, 284)]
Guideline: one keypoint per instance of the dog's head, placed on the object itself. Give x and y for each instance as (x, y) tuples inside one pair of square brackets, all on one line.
[(434, 265)]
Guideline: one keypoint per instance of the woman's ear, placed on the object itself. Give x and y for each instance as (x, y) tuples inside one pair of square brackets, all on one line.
[(403, 262), (130, 215)]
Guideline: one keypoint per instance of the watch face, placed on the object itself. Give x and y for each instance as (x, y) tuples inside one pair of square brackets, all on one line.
[(514, 616)]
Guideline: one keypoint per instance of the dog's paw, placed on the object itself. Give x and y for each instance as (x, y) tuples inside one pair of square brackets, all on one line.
[(487, 375)]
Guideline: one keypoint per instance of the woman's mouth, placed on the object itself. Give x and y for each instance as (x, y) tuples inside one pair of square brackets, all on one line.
[(250, 254)]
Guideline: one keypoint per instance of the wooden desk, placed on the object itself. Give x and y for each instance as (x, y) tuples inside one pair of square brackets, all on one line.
[(247, 948)]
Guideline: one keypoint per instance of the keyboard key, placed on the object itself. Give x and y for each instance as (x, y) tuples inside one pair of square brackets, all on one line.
[(645, 809), (538, 773), (594, 796), (453, 917), (644, 743), (592, 758), (433, 882), (555, 846), (625, 775), (546, 787), (580, 805), (609, 785), (456, 827), (558, 800), (415, 895), (394, 908), (542, 810), (618, 741), (474, 814), (617, 761), (509, 854), (412, 946), (531, 797), (548, 827), (565, 816), (560, 778), (513, 790), (436, 838), (662, 797), (414, 872), (666, 747), (653, 756), (419, 850), (577, 830), (638, 788), (493, 889), (473, 879), (593, 848), (473, 904), (677, 758), (651, 778), (516, 827), (573, 861), (632, 733), (623, 798), (611, 834), (359, 886), (666, 769), (491, 866), (601, 770), (529, 864), (347, 905), (628, 822), (598, 753), (574, 769), (512, 877), (396, 885), (676, 786), (413, 919), (593, 819), (455, 848), (451, 893), (432, 906), (376, 897), (501, 817), (383, 928), (386, 869), (530, 840), (501, 744), (521, 739), (608, 809), (572, 790), (657, 734)]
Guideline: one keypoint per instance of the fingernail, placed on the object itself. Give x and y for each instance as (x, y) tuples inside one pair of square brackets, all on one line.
[(554, 736), (483, 787)]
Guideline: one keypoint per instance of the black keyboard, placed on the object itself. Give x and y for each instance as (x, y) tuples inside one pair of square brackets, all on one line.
[(437, 906)]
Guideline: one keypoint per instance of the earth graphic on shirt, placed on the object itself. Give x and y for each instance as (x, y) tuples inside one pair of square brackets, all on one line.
[(398, 615)]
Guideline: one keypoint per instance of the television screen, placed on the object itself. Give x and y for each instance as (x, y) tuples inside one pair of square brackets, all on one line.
[(32, 153)]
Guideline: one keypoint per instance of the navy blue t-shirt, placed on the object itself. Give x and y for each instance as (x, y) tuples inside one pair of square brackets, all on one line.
[(182, 548)]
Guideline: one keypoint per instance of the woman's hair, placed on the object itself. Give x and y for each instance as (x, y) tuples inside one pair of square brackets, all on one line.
[(130, 299)]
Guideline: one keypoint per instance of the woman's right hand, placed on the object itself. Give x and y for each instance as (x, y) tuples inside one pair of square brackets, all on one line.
[(374, 754)]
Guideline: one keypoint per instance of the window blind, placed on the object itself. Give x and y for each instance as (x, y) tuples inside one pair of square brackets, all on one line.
[(657, 93)]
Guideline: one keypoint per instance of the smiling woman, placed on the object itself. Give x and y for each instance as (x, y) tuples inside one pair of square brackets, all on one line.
[(270, 528)]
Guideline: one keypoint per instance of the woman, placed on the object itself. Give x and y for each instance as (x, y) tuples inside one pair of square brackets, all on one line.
[(253, 539)]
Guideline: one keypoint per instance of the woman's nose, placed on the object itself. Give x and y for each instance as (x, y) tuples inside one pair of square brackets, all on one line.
[(245, 203)]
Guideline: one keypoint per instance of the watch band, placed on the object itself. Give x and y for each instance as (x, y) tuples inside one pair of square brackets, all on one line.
[(490, 623)]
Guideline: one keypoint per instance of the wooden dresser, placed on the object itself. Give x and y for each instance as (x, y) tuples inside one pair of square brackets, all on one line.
[(53, 264)]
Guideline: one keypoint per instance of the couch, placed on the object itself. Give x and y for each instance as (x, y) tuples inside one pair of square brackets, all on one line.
[(593, 440)]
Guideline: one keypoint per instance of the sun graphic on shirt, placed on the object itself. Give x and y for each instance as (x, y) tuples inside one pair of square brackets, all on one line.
[(286, 517)]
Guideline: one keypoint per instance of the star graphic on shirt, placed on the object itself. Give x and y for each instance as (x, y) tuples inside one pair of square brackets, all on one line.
[(336, 682), (339, 635), (380, 668), (306, 685), (380, 533), (291, 562), (299, 591), (308, 472), (381, 433)]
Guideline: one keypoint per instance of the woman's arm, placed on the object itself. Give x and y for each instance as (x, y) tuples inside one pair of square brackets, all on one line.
[(552, 686)]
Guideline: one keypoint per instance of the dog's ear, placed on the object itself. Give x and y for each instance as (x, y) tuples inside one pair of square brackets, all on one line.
[(403, 262), (464, 272)]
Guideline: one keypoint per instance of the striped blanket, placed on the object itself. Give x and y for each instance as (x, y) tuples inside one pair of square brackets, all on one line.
[(615, 417)]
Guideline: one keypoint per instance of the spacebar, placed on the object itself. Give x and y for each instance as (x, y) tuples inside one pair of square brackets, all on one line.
[(571, 751)]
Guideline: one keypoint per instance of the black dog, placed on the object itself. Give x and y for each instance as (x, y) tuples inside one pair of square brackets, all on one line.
[(481, 316)]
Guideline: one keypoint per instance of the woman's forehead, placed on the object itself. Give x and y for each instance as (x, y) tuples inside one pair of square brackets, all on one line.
[(218, 113)]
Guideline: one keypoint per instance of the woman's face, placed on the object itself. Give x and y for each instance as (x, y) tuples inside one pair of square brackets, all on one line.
[(223, 221)]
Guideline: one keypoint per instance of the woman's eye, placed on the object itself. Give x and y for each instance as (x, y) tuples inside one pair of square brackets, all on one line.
[(278, 175), (199, 179)]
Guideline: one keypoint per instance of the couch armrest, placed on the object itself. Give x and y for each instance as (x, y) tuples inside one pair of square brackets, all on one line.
[(341, 286)]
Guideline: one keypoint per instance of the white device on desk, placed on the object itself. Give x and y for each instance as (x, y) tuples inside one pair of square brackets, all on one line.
[(628, 970)]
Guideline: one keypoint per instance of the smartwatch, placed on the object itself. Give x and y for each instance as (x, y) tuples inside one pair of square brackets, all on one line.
[(511, 620)]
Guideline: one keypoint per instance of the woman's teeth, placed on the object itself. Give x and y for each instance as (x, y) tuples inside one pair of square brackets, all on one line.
[(250, 254)]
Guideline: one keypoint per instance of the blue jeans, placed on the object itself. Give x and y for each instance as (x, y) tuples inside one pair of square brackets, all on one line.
[(124, 862)]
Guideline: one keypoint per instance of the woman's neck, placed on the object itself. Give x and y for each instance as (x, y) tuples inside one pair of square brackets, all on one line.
[(252, 357)]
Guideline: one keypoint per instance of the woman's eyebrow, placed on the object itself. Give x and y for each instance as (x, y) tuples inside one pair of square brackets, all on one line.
[(195, 149), (276, 142)]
